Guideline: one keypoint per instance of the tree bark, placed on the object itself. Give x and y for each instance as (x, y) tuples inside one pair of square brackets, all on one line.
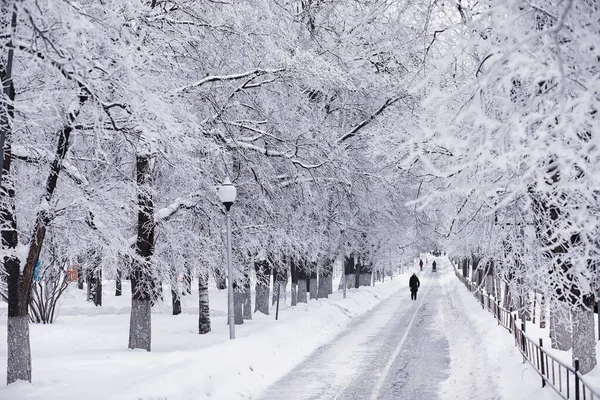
[(247, 300), (325, 279), (140, 324), (141, 275), (584, 337), (279, 279), (314, 283), (220, 279), (294, 279), (560, 326), (98, 278), (263, 275), (204, 310), (187, 279), (238, 304), (176, 302), (118, 285), (302, 291)]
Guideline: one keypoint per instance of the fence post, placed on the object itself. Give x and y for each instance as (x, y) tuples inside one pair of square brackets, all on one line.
[(543, 367), (576, 379), (498, 312), (523, 344)]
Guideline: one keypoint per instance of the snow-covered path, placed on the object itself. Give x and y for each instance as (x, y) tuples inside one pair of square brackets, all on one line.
[(400, 350)]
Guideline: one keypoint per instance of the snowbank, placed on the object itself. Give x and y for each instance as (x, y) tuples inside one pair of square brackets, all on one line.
[(86, 357)]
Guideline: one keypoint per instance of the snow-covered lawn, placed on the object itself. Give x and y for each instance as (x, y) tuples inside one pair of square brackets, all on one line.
[(84, 354)]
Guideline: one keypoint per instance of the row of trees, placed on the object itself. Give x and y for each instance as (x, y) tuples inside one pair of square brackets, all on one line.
[(119, 120), (519, 130), (363, 125)]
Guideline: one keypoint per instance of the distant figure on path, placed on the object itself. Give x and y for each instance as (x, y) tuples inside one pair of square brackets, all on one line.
[(414, 284), (434, 265), (421, 264)]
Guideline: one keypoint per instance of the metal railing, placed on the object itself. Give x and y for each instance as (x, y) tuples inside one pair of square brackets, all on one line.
[(567, 381)]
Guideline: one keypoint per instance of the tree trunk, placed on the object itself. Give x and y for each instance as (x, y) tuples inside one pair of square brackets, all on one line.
[(19, 283), (314, 283), (584, 336), (220, 279), (279, 281), (140, 324), (263, 275), (19, 352), (118, 286), (187, 280), (302, 291), (238, 304), (357, 273), (80, 277), (294, 276), (465, 267), (325, 279), (204, 310), (176, 302), (560, 326), (98, 278), (141, 274), (247, 300)]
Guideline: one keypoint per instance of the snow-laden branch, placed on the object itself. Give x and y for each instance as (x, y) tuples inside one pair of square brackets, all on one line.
[(268, 152), (167, 212), (367, 120), (220, 78), (40, 155)]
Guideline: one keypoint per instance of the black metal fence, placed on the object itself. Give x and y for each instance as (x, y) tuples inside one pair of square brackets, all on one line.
[(567, 381)]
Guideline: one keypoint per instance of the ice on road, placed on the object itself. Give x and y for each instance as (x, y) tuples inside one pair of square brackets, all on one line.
[(400, 350)]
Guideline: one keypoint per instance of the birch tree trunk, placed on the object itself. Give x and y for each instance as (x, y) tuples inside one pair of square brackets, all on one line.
[(204, 310)]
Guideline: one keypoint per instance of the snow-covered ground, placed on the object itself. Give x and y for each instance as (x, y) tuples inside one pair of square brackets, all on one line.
[(84, 354)]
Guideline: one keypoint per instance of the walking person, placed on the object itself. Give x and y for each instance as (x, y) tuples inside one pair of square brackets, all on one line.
[(414, 284), (434, 265), (421, 264)]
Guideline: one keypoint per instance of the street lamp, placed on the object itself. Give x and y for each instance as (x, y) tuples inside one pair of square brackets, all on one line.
[(227, 193)]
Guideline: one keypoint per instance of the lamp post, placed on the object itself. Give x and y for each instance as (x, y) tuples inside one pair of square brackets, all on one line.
[(227, 194)]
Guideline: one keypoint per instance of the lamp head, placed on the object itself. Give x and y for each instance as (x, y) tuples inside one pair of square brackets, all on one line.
[(227, 193)]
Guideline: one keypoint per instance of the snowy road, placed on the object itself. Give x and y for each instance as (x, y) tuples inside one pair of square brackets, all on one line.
[(398, 351)]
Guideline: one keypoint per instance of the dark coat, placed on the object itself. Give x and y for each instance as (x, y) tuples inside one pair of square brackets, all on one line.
[(414, 283)]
